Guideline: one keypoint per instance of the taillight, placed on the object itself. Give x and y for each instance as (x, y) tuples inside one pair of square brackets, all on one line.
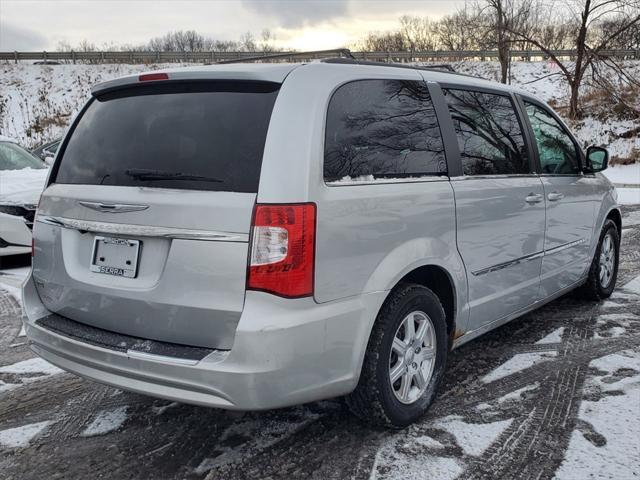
[(282, 256)]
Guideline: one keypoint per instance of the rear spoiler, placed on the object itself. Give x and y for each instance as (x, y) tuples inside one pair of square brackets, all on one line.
[(259, 73)]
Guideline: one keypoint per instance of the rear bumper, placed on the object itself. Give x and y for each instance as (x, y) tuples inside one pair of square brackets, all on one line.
[(285, 352)]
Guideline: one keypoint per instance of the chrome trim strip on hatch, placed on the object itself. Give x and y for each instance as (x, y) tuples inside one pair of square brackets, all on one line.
[(142, 230), (113, 207)]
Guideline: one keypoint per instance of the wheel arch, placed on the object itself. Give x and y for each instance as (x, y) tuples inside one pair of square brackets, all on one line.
[(439, 281), (615, 215)]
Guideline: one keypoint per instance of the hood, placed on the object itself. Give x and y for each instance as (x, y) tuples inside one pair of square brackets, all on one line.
[(22, 187)]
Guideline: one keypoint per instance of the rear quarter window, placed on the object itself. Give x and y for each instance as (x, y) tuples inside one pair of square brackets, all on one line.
[(382, 129), (187, 135)]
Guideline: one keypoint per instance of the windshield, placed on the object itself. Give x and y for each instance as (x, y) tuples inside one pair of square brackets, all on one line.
[(14, 157), (187, 135)]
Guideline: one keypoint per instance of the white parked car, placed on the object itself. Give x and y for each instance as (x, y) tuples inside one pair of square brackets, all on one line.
[(22, 178)]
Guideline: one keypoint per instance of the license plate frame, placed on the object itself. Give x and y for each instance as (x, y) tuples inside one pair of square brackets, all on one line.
[(115, 256)]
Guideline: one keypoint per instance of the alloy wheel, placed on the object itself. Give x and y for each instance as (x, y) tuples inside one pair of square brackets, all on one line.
[(412, 357), (607, 260)]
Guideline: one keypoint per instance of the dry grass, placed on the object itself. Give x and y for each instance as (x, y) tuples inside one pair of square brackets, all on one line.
[(604, 104)]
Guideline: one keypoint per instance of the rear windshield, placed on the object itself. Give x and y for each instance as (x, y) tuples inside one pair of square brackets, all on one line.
[(197, 136)]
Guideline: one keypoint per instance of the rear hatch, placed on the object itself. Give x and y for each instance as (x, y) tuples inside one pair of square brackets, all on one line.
[(144, 227)]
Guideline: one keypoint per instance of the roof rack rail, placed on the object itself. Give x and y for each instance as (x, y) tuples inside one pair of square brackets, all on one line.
[(312, 55), (353, 61)]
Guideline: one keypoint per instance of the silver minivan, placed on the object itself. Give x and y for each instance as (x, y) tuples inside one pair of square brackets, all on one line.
[(257, 236)]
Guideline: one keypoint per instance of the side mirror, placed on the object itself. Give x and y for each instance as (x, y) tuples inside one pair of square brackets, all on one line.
[(597, 159), (49, 160)]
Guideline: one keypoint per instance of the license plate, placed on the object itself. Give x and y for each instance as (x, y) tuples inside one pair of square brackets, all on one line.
[(115, 256)]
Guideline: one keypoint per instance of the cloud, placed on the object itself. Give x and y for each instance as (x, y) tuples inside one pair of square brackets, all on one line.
[(19, 38), (296, 13)]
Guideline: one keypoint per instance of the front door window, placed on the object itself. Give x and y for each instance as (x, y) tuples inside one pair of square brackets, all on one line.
[(556, 150)]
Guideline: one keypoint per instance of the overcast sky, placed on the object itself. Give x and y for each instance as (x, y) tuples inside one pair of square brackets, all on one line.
[(300, 24)]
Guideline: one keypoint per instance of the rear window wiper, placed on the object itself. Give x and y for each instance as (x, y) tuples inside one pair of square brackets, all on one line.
[(147, 174)]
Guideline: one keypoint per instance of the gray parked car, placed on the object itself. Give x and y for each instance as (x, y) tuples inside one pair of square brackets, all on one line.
[(256, 236)]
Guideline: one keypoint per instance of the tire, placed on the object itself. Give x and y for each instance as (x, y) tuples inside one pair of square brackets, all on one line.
[(376, 399), (595, 288)]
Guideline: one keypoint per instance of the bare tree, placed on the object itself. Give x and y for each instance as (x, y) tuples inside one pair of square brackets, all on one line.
[(267, 41), (454, 33), (556, 35), (248, 42), (496, 20), (587, 14), (419, 33), (383, 42)]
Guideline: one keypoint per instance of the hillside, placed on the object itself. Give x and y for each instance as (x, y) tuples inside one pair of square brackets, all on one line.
[(37, 102)]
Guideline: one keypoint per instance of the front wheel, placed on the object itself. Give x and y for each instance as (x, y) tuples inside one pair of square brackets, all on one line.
[(405, 359), (603, 271)]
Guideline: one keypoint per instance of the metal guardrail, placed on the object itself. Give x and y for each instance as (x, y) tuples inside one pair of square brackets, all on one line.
[(215, 57)]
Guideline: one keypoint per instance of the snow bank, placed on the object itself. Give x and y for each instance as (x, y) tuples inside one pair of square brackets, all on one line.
[(22, 186), (49, 96), (543, 79)]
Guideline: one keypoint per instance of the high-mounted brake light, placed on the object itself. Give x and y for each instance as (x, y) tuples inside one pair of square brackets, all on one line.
[(146, 77), (282, 257)]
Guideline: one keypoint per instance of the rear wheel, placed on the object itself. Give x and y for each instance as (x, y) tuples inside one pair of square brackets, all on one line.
[(603, 271), (405, 359)]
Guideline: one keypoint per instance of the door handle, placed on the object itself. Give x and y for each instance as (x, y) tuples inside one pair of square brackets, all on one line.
[(533, 198), (555, 196)]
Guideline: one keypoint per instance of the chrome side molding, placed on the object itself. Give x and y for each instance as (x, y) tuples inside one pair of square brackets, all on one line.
[(560, 248), (526, 258), (142, 230), (510, 263)]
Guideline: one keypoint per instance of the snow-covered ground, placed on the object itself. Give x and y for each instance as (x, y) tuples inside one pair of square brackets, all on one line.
[(614, 415), (624, 174), (602, 441), (11, 281), (627, 179)]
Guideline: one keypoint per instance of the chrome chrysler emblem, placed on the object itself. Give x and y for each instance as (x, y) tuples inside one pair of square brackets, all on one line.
[(113, 207)]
